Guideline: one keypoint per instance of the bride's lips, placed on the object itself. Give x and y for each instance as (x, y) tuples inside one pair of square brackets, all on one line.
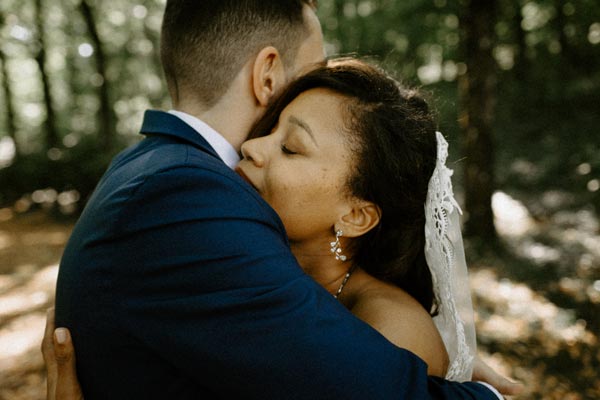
[(245, 177)]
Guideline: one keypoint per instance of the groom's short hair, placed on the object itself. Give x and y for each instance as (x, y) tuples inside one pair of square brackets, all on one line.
[(205, 43)]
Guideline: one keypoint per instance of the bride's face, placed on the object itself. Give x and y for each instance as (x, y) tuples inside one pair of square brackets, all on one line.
[(301, 168)]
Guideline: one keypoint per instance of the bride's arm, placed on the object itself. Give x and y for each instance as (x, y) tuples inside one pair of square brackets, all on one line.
[(59, 357), (405, 323)]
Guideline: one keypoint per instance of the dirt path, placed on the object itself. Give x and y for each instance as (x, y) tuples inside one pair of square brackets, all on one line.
[(30, 248)]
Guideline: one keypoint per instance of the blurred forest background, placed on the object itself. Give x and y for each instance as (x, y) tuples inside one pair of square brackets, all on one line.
[(517, 87)]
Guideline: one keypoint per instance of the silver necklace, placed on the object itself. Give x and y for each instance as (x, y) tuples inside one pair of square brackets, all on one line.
[(346, 277)]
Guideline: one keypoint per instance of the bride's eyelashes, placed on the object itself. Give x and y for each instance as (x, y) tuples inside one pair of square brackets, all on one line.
[(295, 142), (287, 151), (291, 143)]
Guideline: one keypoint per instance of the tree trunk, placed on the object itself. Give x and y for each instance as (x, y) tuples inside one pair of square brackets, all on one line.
[(477, 91), (7, 95), (72, 73), (521, 61), (8, 100), (567, 56), (52, 139), (107, 117)]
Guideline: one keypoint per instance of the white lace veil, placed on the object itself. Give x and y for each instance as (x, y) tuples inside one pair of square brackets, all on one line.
[(444, 252)]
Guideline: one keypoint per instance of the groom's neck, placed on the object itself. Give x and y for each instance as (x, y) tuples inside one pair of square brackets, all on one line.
[(231, 123), (234, 113)]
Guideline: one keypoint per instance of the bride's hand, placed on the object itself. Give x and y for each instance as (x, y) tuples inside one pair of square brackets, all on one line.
[(485, 373), (59, 357)]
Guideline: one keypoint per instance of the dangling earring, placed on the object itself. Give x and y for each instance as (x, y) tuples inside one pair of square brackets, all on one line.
[(336, 247)]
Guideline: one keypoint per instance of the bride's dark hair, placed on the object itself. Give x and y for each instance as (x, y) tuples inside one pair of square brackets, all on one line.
[(392, 133)]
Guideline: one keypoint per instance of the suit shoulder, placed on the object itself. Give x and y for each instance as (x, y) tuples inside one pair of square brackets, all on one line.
[(177, 182), (166, 163)]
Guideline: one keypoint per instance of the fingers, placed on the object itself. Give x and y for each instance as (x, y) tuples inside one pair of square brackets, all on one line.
[(47, 341), (48, 354), (59, 357), (483, 372), (509, 388), (503, 384), (67, 385), (63, 348)]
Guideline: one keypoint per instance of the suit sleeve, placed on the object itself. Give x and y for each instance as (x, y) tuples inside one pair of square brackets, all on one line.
[(213, 289)]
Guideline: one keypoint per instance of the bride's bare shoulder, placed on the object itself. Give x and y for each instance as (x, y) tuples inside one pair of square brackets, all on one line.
[(404, 322)]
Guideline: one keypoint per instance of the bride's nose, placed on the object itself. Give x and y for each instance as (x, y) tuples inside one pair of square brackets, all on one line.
[(251, 151)]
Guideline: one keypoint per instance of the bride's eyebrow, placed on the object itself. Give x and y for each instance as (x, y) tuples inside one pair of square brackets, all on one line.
[(294, 120)]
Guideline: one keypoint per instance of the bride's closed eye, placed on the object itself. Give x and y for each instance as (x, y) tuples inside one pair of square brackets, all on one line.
[(292, 142), (286, 150)]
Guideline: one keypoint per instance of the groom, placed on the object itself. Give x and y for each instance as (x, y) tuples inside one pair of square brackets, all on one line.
[(177, 281)]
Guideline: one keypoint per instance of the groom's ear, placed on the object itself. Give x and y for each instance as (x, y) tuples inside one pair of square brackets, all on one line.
[(268, 75), (363, 216)]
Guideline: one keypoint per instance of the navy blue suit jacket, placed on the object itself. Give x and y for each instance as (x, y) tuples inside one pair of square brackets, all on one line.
[(178, 283)]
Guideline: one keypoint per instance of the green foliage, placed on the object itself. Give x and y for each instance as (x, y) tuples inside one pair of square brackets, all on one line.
[(548, 60), (128, 33), (78, 168), (547, 53)]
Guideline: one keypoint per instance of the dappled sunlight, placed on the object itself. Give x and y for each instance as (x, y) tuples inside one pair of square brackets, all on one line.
[(555, 200), (524, 335), (30, 247), (21, 360), (6, 214), (29, 243), (562, 251), (538, 252), (5, 240), (37, 292), (537, 299), (20, 337), (518, 313), (22, 320), (511, 216), (7, 151), (49, 238)]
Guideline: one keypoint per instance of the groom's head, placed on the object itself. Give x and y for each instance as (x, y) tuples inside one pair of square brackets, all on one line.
[(207, 44)]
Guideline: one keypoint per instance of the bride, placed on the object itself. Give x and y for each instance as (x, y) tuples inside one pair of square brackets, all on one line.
[(353, 165), (346, 165)]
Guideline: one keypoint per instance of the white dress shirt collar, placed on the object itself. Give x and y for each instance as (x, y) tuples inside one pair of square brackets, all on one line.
[(220, 145)]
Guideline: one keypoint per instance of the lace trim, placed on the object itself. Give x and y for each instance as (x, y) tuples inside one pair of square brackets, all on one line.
[(440, 256)]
